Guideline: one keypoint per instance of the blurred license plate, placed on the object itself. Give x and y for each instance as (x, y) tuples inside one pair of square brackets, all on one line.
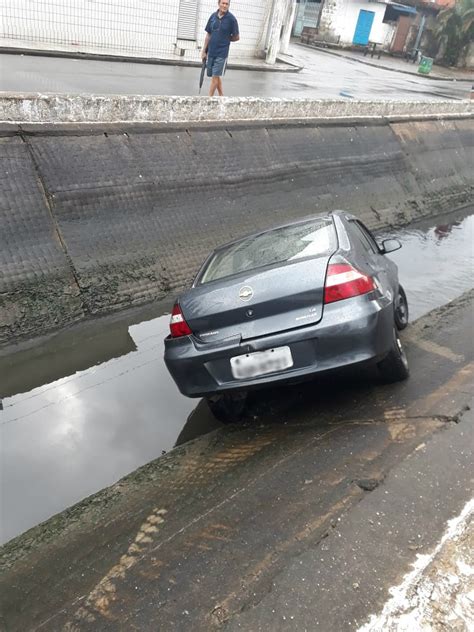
[(261, 362)]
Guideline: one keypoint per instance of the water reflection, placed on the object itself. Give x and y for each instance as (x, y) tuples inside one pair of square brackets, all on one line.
[(66, 439), (436, 263), (443, 230), (63, 355), (92, 405)]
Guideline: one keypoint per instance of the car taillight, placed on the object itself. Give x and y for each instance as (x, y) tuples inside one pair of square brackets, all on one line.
[(178, 326), (344, 281)]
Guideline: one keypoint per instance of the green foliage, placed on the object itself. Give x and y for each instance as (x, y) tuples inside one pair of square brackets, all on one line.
[(455, 29)]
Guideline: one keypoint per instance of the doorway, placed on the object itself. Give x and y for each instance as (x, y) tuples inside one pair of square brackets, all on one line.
[(363, 27)]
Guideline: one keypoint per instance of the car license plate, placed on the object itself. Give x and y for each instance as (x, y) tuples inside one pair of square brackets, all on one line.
[(261, 362)]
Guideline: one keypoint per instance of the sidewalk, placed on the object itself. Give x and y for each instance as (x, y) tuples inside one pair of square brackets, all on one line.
[(237, 63), (396, 64)]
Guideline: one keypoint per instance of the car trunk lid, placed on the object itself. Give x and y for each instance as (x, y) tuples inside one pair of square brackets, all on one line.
[(257, 303)]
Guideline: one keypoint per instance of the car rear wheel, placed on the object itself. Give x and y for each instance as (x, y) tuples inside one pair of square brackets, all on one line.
[(401, 309), (228, 408), (394, 367)]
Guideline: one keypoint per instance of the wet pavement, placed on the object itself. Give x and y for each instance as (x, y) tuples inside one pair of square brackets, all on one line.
[(398, 64), (323, 76), (438, 591), (95, 402), (302, 519)]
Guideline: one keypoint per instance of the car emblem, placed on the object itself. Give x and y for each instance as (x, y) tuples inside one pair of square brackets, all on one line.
[(245, 293)]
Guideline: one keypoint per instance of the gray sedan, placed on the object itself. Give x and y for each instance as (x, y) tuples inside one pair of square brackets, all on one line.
[(297, 300)]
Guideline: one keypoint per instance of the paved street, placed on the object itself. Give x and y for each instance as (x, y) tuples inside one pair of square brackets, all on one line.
[(324, 76), (398, 64)]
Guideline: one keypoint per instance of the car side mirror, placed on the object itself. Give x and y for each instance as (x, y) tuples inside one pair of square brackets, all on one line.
[(390, 245)]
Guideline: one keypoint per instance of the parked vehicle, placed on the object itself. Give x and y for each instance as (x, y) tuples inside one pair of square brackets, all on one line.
[(287, 303)]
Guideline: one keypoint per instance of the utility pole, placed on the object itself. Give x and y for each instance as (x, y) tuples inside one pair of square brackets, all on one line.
[(275, 26), (320, 13), (288, 26), (420, 32)]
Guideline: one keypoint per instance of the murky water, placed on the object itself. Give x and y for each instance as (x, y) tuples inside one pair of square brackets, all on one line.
[(436, 262), (96, 402)]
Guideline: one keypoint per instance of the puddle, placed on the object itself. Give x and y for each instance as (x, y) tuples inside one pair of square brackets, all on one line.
[(68, 438), (436, 262), (96, 402)]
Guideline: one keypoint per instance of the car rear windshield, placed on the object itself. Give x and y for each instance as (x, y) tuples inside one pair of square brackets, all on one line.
[(309, 239)]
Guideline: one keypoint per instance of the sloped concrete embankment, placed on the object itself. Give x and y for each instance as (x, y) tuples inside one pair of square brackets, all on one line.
[(98, 218)]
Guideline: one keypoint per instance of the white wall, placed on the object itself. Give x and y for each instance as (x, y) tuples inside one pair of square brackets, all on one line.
[(142, 28), (347, 20), (136, 27), (344, 16), (252, 16)]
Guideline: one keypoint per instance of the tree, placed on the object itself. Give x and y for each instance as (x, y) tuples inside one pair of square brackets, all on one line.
[(455, 29)]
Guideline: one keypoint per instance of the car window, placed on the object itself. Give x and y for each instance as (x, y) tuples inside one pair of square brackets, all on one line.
[(309, 239), (368, 235), (360, 237)]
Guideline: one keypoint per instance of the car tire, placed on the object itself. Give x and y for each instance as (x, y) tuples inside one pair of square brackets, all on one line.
[(401, 309), (228, 408), (394, 367)]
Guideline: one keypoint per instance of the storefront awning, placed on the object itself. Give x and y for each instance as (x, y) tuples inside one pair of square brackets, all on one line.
[(402, 8)]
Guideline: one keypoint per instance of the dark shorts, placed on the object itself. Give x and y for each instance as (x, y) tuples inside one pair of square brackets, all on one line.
[(216, 66)]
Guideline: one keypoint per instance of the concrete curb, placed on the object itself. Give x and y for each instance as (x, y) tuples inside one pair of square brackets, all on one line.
[(37, 108), (233, 65), (384, 67)]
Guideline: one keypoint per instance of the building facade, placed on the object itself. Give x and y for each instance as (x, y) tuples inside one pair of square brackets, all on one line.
[(153, 29), (391, 26)]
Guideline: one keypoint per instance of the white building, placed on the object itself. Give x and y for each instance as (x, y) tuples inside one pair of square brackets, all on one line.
[(360, 22), (155, 29)]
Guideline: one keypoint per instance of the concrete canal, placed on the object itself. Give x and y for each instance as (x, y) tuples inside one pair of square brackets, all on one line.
[(95, 402)]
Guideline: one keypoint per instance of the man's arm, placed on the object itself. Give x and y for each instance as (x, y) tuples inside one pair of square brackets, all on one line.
[(235, 32), (204, 48)]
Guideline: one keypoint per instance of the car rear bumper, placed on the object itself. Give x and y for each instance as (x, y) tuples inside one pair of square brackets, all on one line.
[(352, 331)]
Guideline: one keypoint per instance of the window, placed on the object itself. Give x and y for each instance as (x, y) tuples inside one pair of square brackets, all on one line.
[(309, 239), (368, 235), (359, 235)]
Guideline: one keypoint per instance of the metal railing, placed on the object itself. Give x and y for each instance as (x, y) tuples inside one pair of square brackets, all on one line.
[(140, 28)]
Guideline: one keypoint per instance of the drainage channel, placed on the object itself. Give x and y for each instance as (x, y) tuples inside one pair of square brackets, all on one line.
[(94, 403)]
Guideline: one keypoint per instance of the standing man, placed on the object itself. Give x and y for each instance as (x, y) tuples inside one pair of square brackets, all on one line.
[(221, 30)]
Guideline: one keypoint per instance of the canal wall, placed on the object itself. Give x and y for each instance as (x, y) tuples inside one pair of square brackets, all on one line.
[(96, 217), (95, 110)]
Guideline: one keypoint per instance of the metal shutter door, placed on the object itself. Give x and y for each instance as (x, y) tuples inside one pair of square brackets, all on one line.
[(187, 19)]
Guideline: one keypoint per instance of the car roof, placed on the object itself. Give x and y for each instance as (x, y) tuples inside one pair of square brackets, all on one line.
[(303, 220)]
